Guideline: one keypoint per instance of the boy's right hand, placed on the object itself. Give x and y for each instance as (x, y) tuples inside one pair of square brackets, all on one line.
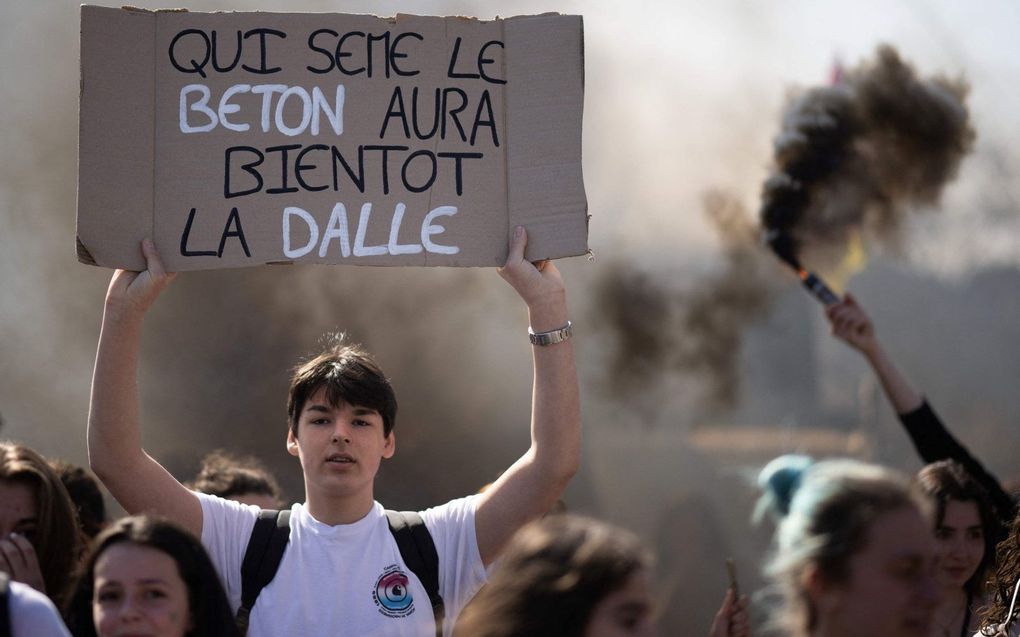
[(133, 293)]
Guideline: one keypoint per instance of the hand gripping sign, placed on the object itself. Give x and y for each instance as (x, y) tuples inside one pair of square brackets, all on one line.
[(237, 139)]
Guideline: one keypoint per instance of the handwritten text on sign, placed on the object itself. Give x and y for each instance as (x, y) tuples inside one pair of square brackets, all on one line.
[(412, 115)]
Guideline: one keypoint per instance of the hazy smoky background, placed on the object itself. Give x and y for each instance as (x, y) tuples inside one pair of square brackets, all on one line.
[(683, 101)]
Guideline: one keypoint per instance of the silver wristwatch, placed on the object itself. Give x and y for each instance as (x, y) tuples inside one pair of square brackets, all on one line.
[(552, 336)]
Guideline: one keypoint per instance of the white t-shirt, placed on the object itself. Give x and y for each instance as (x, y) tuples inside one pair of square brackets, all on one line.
[(32, 613), (347, 579)]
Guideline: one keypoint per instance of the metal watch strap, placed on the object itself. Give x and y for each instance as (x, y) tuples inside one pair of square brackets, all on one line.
[(552, 336)]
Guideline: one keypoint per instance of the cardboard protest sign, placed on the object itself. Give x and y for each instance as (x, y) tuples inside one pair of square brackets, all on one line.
[(237, 139)]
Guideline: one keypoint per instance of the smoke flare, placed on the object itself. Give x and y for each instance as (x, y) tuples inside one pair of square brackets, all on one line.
[(863, 151)]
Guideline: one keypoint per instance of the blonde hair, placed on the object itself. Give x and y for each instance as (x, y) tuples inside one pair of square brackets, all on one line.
[(829, 513)]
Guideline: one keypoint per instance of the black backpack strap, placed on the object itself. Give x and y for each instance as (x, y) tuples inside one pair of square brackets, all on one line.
[(419, 553), (5, 606), (262, 558)]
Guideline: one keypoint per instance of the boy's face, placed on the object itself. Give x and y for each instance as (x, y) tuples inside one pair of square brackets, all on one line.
[(340, 446)]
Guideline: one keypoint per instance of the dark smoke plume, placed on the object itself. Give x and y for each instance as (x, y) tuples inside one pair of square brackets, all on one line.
[(861, 152), (855, 154), (661, 329)]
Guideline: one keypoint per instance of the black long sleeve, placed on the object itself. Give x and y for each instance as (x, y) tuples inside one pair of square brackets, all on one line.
[(934, 442)]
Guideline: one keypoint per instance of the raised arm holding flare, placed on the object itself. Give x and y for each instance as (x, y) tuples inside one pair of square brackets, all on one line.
[(852, 326), (342, 409), (932, 440)]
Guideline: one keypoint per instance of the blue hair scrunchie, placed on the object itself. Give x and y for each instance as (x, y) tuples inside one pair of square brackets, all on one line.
[(779, 481)]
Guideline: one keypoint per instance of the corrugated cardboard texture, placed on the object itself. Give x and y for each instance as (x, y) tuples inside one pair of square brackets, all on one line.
[(115, 135), (141, 175), (545, 185)]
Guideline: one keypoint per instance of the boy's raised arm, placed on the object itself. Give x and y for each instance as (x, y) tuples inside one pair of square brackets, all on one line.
[(530, 487), (136, 480)]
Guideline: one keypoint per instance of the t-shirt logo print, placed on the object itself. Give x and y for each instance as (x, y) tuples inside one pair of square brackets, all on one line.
[(392, 594)]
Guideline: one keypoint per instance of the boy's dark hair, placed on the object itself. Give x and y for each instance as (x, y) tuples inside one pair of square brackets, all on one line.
[(349, 375), (227, 476), (85, 494)]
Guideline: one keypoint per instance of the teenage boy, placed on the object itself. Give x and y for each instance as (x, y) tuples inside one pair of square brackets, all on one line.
[(342, 572)]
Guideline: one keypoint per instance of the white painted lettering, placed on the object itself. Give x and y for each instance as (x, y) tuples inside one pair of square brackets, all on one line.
[(226, 108), (201, 106), (428, 228), (394, 247), (306, 111), (267, 90), (335, 115), (360, 249), (313, 229), (336, 229)]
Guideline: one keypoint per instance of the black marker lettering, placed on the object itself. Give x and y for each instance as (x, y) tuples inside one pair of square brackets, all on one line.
[(344, 54), (234, 219), (453, 62), (396, 109), (483, 61), (263, 52), (215, 57), (196, 67), (385, 165), (457, 157), (486, 103), (324, 52), (394, 53), (385, 39), (452, 112), (432, 176), (184, 241), (283, 188), (248, 168), (300, 167)]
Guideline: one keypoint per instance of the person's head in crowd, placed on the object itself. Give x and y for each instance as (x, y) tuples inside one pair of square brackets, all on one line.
[(854, 553), (966, 527), (343, 377), (345, 373), (240, 478), (39, 536), (566, 576), (148, 576), (85, 494), (1002, 584)]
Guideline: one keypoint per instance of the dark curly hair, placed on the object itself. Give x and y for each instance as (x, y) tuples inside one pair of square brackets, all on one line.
[(228, 476), (1003, 580)]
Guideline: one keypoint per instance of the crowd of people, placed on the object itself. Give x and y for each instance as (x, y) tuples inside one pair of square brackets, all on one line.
[(859, 549)]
